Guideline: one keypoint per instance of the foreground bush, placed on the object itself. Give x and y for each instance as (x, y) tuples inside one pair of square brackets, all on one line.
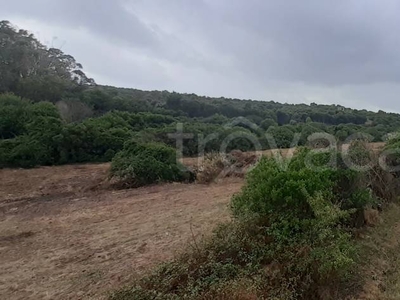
[(277, 189), (291, 236), (141, 164)]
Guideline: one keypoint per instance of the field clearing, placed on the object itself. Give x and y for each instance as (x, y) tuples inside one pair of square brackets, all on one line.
[(62, 239), (65, 235)]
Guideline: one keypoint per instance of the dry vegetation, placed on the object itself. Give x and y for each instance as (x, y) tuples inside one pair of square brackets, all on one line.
[(379, 259), (217, 166), (65, 235)]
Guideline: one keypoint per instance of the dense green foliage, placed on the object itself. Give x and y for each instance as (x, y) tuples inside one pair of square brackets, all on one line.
[(142, 164), (31, 70), (291, 236), (284, 189), (79, 121), (95, 133)]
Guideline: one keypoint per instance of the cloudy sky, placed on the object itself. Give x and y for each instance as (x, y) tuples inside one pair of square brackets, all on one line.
[(344, 52)]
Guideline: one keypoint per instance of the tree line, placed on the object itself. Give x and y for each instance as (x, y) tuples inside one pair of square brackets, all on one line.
[(51, 112)]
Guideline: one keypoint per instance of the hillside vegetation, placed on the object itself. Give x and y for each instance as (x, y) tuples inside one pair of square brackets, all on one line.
[(52, 113), (294, 223)]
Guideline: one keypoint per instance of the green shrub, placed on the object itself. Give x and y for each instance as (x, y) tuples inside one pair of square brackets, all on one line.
[(274, 189), (142, 164), (304, 215), (392, 150), (290, 238), (12, 116)]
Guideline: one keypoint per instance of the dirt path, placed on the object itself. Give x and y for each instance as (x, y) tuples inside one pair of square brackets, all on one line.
[(61, 237)]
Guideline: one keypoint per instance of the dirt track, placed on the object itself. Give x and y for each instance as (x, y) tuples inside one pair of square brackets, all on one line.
[(64, 237)]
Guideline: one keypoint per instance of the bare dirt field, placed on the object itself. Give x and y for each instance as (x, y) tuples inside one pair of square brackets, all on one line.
[(62, 236), (65, 235)]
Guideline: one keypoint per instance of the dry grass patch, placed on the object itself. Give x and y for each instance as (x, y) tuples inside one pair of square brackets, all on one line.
[(379, 261), (220, 165)]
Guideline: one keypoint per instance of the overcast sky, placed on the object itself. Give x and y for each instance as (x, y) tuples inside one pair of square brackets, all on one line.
[(344, 52)]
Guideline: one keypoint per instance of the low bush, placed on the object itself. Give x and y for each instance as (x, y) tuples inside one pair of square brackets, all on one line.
[(290, 238), (219, 165), (141, 164), (392, 151), (211, 168)]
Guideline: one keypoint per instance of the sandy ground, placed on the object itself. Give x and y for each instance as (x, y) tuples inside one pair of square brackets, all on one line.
[(64, 237)]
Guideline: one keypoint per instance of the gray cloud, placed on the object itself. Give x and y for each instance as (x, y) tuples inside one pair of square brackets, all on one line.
[(106, 18), (346, 51), (341, 42)]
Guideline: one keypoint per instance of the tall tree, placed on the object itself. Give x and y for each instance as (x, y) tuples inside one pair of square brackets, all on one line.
[(30, 69)]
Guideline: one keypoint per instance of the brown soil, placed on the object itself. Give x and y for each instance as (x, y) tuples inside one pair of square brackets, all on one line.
[(379, 258), (64, 236)]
